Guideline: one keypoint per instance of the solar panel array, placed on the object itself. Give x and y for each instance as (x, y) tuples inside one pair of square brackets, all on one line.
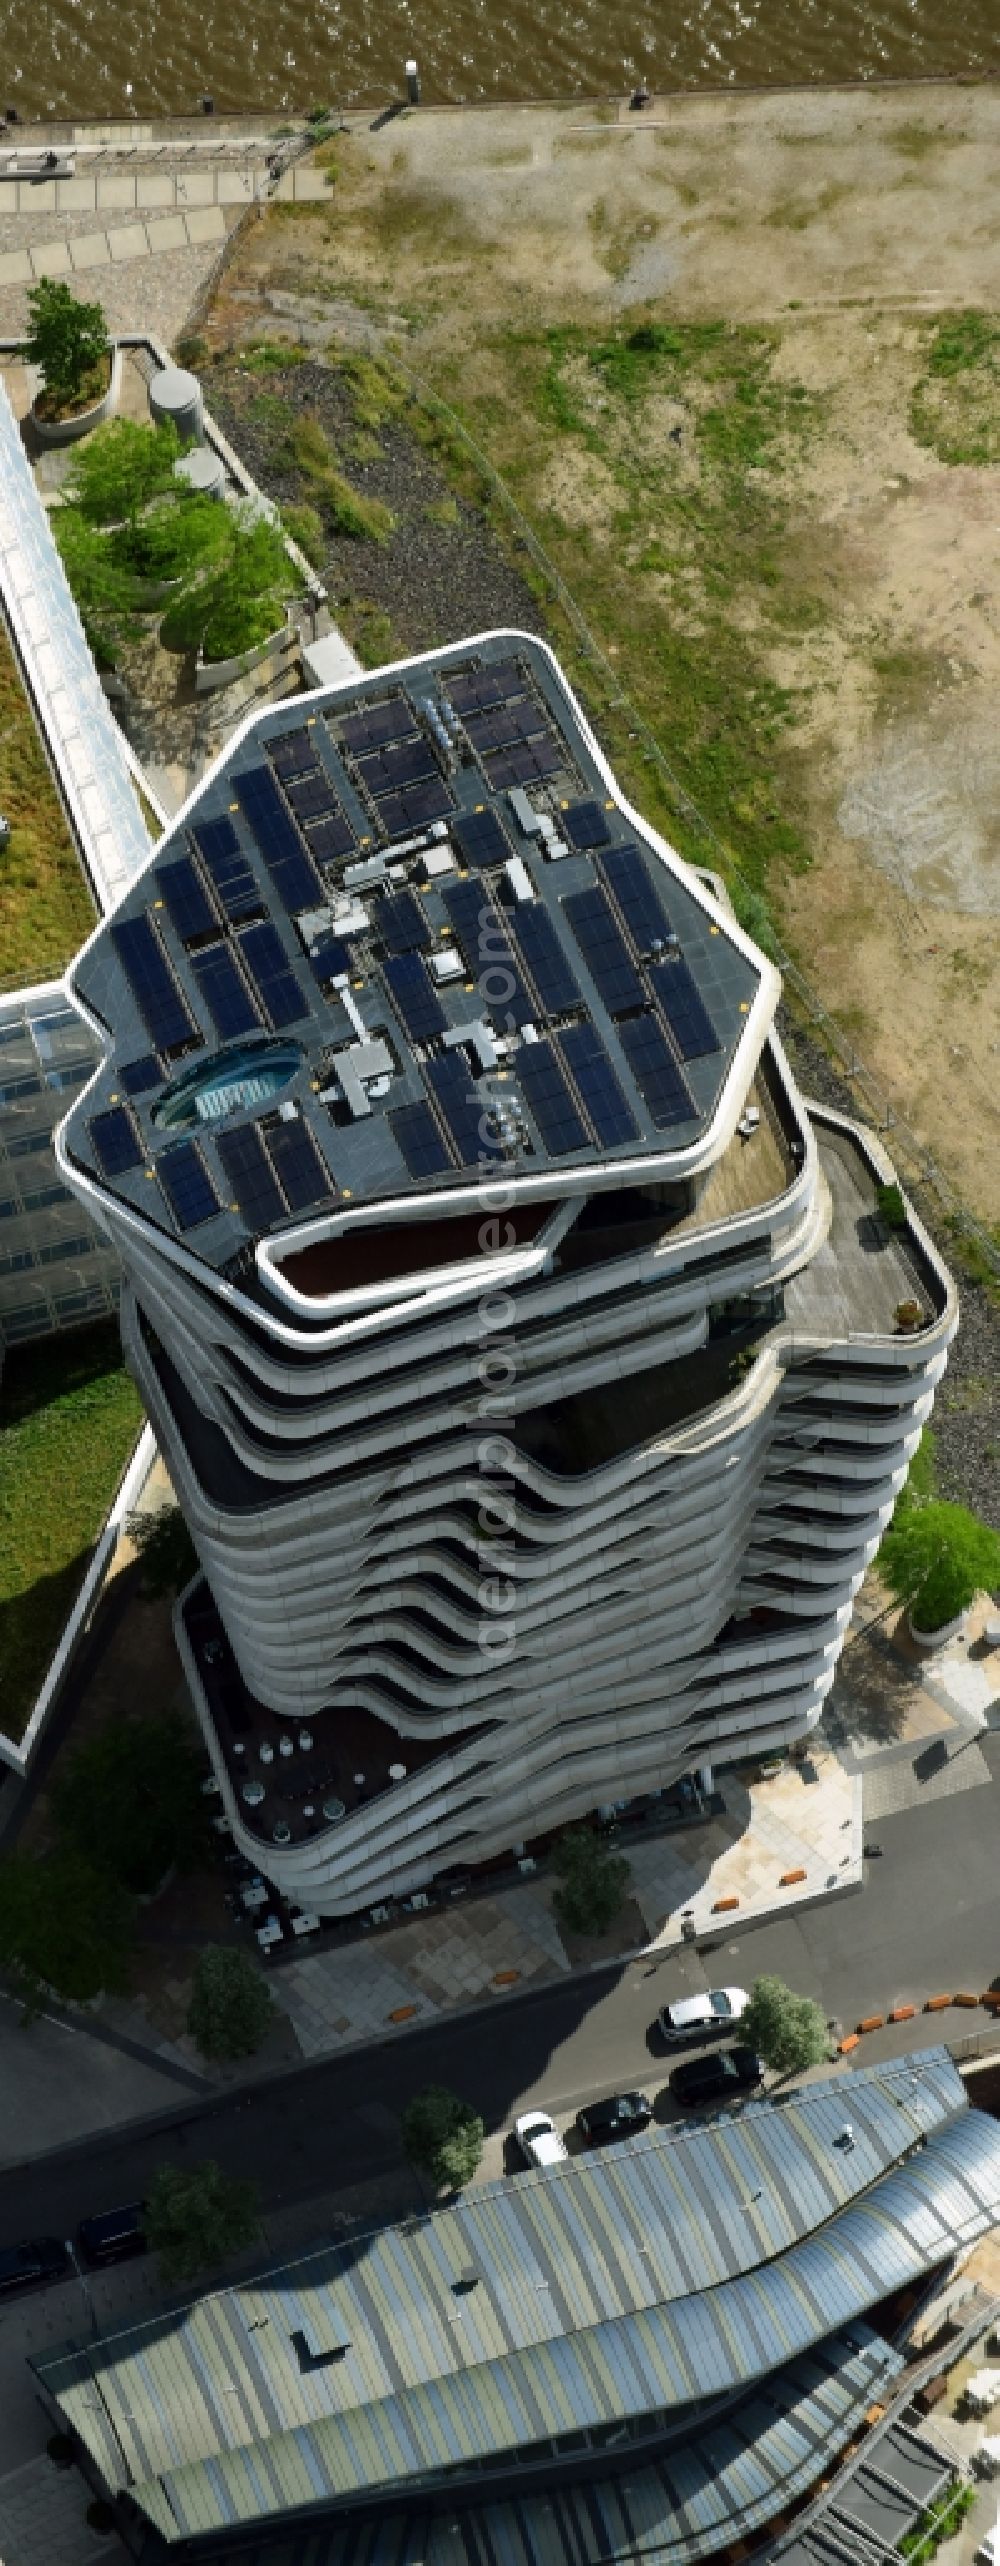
[(543, 960), (115, 1141)]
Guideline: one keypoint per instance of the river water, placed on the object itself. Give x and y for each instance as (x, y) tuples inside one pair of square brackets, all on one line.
[(74, 57)]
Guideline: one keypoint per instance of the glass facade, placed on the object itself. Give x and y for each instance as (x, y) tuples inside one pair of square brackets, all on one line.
[(55, 1267)]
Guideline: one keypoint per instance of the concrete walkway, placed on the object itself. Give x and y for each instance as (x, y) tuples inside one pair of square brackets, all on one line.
[(76, 251)]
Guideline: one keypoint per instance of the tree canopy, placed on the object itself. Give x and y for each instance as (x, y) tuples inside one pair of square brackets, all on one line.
[(64, 1925), (131, 1799), (242, 599), (231, 2008), (593, 1882), (442, 2136), (935, 1557), (68, 340), (788, 2031), (196, 2216), (119, 468)]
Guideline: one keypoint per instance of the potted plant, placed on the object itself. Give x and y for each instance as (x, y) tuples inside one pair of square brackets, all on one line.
[(237, 614), (935, 1558), (81, 371), (909, 1317)]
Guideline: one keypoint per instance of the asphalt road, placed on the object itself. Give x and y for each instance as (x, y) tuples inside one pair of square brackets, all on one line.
[(928, 1918)]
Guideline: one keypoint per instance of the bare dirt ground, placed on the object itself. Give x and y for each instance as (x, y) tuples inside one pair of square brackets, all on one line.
[(843, 223)]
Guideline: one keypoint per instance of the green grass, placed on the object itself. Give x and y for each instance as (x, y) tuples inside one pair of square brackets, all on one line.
[(690, 535), (955, 406), (69, 1418), (45, 907)]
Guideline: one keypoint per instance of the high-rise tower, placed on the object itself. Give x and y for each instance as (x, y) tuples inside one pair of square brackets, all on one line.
[(534, 1368)]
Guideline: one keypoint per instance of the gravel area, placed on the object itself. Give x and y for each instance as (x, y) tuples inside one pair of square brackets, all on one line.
[(435, 582)]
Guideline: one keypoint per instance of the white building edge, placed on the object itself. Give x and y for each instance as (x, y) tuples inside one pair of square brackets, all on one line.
[(628, 1551)]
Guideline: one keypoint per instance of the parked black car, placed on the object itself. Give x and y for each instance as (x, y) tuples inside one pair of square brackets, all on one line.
[(717, 2078), (29, 2265), (619, 2116), (114, 2236)]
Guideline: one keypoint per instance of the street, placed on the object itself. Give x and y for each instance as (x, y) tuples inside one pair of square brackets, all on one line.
[(926, 1920)]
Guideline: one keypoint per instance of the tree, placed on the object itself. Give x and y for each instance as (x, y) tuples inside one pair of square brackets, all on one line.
[(64, 1926), (178, 535), (935, 1557), (242, 600), (593, 1880), (69, 341), (165, 1548), (231, 2007), (120, 468), (103, 590), (131, 1799), (442, 2136), (788, 2032), (196, 2215)]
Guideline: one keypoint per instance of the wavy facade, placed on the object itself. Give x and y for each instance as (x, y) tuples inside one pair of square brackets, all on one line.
[(539, 1401)]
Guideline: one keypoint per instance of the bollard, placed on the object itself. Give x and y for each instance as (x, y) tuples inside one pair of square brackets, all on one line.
[(413, 84)]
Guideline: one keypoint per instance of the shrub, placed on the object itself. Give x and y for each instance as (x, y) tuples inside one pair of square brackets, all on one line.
[(64, 1925), (753, 915), (442, 2136), (69, 341), (131, 1800), (345, 511), (103, 591), (175, 538), (231, 2007), (165, 1548), (593, 1882), (788, 2031), (196, 2215), (242, 601), (935, 1557), (891, 1206), (305, 525)]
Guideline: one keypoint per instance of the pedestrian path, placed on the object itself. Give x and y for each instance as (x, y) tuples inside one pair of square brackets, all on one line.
[(75, 252)]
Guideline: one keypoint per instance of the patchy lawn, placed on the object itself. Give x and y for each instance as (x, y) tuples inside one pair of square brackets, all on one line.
[(69, 1419)]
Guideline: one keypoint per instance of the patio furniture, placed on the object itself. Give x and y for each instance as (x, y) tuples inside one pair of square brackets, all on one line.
[(334, 1809), (380, 1915), (305, 1740), (306, 1924), (252, 1793), (986, 2456), (285, 1746), (982, 2390), (281, 1832), (269, 1933), (397, 1772), (266, 1752), (254, 1897)]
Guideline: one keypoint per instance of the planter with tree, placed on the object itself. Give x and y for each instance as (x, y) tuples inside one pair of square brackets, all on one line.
[(237, 613), (592, 1882), (935, 1559), (80, 369), (787, 2031), (196, 2216)]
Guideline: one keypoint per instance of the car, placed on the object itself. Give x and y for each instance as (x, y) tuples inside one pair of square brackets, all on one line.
[(717, 2078), (539, 2140), (718, 2010), (619, 2116), (115, 2235), (30, 2265)]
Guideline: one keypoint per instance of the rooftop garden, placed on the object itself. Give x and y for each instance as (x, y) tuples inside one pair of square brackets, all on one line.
[(69, 1418), (45, 906)]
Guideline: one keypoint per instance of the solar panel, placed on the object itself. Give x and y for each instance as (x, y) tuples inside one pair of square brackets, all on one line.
[(480, 838), (416, 1133), (504, 724), (330, 838), (536, 940), (604, 950), (292, 871), (227, 868), (291, 751), (312, 795), (603, 1096), (272, 971), (229, 1003), (187, 1184), (249, 1172), (627, 876), (185, 899), (492, 685), (585, 824), (486, 951), (378, 723), (161, 1004), (684, 1008), (467, 1118), (549, 1098), (329, 959), (139, 1076), (301, 1172), (401, 923), (470, 915), (528, 763), (416, 1003), (422, 803), (655, 1071), (408, 762), (115, 1141)]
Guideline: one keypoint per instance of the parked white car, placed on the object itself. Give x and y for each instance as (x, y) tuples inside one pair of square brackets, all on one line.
[(988, 2551), (539, 2140), (691, 2015)]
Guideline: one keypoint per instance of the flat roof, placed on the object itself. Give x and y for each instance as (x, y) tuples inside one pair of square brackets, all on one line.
[(406, 930)]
